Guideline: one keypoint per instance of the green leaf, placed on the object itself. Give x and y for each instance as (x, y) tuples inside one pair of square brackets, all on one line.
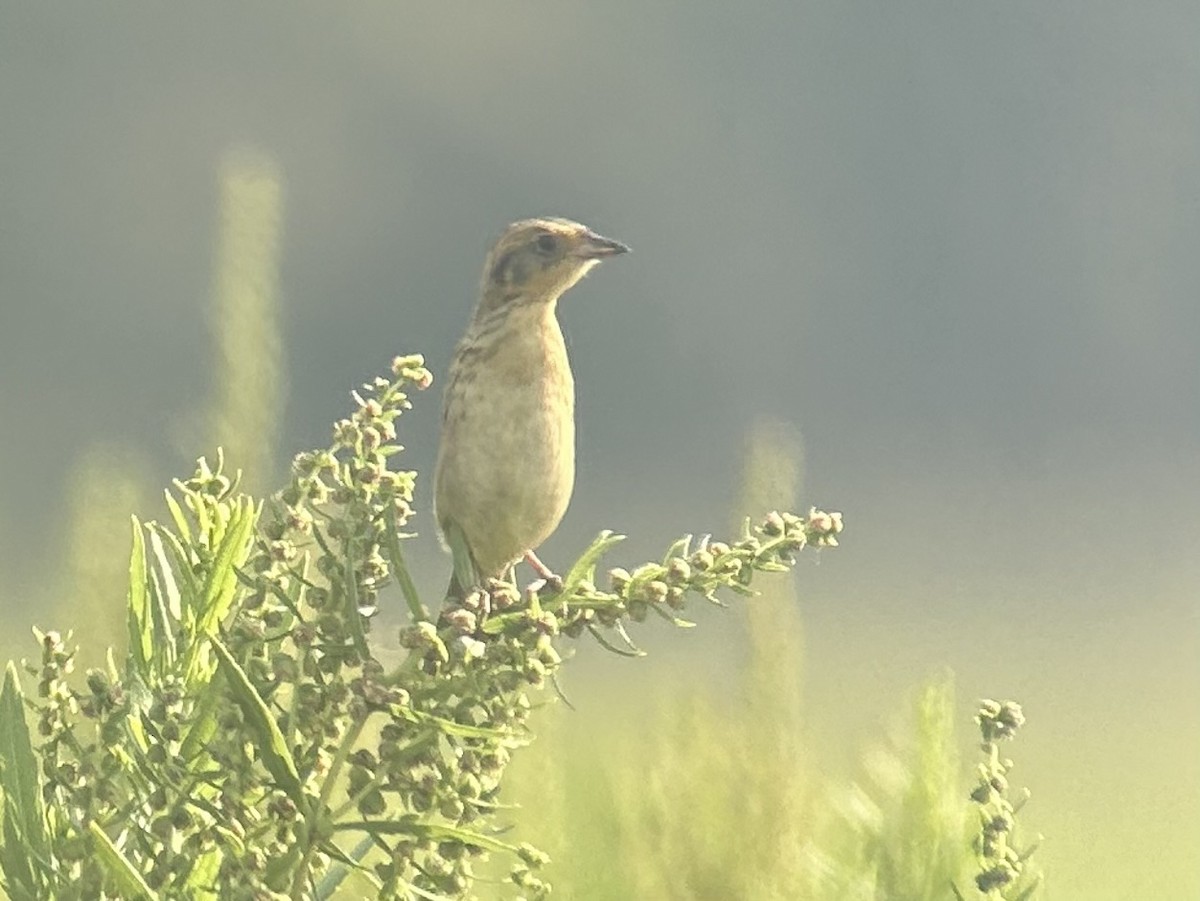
[(233, 551), (177, 515), (747, 529), (585, 566), (678, 549), (272, 746), (353, 617), (129, 880), (609, 646), (16, 861), (498, 622), (460, 556), (221, 584), (185, 578), (462, 730), (140, 698), (673, 620), (337, 873), (141, 631), (173, 610), (319, 538), (619, 628), (406, 825), (164, 607), (745, 575), (204, 721), (400, 568), (289, 598), (202, 876), (23, 812), (196, 503), (280, 867)]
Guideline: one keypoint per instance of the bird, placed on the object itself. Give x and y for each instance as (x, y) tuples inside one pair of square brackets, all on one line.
[(506, 459)]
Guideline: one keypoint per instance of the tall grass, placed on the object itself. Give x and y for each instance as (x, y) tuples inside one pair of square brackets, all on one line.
[(246, 410), (110, 481)]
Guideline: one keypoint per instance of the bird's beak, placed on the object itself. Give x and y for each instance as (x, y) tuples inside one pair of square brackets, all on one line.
[(594, 247)]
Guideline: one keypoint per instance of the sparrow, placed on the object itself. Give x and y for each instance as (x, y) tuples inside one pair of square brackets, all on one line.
[(506, 461)]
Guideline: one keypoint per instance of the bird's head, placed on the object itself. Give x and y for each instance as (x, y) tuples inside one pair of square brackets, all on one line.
[(536, 260)]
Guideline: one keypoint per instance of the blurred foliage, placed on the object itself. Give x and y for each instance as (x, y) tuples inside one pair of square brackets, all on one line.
[(691, 797), (107, 484), (902, 834), (247, 404), (242, 413)]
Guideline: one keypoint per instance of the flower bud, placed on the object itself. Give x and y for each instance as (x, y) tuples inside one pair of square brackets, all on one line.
[(773, 526), (461, 621), (678, 570), (619, 578), (656, 592)]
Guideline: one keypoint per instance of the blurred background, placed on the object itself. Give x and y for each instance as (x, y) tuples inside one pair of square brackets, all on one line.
[(950, 249)]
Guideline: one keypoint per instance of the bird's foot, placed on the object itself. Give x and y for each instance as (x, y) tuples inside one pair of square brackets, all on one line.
[(552, 579)]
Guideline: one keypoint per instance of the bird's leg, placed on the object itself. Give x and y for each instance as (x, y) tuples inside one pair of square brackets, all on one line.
[(553, 579)]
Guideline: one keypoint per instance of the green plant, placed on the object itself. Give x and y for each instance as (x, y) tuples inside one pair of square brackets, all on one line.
[(252, 745), (1003, 872), (906, 834), (900, 834)]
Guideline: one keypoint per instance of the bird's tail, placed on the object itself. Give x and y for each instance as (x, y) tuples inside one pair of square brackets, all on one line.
[(464, 575)]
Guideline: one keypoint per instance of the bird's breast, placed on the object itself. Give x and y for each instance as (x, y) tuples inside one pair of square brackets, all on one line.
[(507, 462), (526, 376)]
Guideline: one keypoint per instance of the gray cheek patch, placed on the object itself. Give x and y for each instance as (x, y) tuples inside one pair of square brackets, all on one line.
[(498, 275), (513, 268)]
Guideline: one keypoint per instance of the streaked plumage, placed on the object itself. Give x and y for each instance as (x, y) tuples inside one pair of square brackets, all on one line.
[(506, 463)]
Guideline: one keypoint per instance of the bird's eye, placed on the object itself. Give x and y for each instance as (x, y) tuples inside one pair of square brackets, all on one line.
[(546, 244)]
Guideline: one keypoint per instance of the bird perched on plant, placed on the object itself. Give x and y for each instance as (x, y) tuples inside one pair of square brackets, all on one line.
[(506, 463)]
